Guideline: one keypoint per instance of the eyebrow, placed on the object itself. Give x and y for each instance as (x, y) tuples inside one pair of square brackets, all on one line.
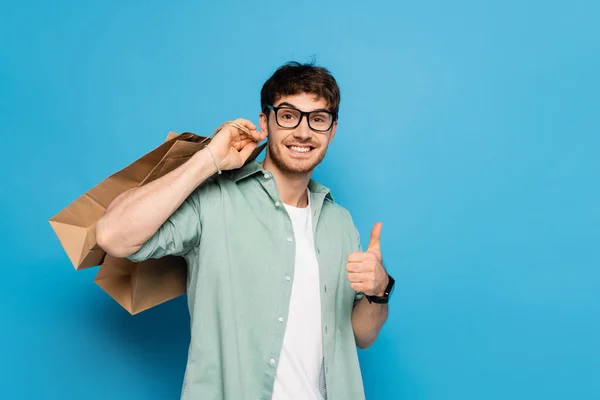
[(285, 103)]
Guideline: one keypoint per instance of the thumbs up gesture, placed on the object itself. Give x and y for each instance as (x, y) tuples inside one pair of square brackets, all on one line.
[(365, 269)]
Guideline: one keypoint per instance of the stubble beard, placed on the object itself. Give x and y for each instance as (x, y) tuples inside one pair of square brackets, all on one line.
[(291, 166)]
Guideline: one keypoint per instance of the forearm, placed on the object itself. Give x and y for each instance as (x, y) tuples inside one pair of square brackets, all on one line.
[(367, 321), (135, 215)]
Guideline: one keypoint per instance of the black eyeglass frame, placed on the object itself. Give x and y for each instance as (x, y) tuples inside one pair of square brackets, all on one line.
[(302, 114)]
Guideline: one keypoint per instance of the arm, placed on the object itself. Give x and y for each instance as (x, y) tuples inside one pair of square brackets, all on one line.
[(367, 275), (137, 214), (367, 321)]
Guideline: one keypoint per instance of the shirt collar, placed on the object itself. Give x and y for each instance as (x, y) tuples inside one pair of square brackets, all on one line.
[(254, 168)]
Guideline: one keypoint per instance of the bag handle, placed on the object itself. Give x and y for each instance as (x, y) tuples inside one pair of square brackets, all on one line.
[(191, 137)]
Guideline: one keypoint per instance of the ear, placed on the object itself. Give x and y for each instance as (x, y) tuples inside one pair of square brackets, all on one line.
[(333, 128), (263, 122)]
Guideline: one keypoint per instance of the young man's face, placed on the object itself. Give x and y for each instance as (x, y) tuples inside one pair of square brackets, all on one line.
[(297, 150)]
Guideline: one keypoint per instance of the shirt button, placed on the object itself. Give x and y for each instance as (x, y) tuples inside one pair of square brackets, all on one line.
[(267, 176), (280, 319), (289, 239), (272, 362), (287, 277), (277, 204)]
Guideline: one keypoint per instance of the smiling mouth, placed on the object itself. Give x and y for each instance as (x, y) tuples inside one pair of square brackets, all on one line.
[(300, 149)]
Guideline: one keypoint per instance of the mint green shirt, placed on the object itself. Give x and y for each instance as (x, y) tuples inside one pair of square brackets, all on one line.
[(238, 241)]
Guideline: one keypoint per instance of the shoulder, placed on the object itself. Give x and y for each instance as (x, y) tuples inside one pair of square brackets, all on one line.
[(216, 190), (331, 208), (342, 217), (341, 213), (337, 209), (207, 194)]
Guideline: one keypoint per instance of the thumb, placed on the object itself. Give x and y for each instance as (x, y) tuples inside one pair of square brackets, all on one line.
[(375, 242)]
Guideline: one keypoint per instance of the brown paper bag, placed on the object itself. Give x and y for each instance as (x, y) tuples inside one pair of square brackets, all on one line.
[(75, 224), (136, 286), (140, 286)]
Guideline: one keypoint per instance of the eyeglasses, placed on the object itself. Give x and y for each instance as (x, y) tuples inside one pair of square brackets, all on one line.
[(288, 117)]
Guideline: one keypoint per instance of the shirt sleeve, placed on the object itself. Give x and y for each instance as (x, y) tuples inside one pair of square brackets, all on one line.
[(177, 236)]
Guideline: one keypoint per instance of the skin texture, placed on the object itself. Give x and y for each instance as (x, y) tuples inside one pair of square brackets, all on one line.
[(293, 170)]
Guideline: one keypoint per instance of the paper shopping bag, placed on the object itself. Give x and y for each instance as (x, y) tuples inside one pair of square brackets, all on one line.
[(136, 286), (75, 224), (142, 285)]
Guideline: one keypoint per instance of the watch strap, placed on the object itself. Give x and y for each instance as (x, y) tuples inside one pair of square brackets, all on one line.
[(386, 296)]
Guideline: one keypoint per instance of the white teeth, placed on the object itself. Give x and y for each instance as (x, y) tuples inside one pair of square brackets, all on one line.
[(300, 149)]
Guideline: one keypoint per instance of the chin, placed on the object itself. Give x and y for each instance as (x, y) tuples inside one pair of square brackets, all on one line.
[(298, 169), (293, 163), (295, 166)]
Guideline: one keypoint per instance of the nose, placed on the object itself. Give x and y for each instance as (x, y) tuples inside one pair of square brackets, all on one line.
[(303, 131)]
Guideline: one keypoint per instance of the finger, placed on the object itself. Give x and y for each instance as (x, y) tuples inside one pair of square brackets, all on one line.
[(356, 267), (246, 123), (355, 277), (375, 242), (359, 287), (262, 135), (241, 128), (247, 150), (253, 135), (247, 128), (243, 142), (359, 257), (257, 136)]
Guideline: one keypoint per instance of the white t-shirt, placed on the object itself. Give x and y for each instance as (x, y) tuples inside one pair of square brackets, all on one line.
[(298, 373)]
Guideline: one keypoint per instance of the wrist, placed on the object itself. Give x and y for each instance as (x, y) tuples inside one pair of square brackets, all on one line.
[(214, 159), (383, 297), (203, 165), (381, 289)]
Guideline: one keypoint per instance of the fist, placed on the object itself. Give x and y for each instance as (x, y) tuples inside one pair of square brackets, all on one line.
[(365, 269)]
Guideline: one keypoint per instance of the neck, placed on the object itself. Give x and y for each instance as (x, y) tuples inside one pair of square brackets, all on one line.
[(291, 187)]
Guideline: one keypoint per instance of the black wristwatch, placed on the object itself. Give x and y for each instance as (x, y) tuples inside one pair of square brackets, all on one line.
[(386, 295)]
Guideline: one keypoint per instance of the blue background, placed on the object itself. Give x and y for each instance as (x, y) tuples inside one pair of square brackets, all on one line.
[(469, 128)]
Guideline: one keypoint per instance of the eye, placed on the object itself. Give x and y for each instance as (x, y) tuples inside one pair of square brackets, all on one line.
[(320, 118), (287, 115)]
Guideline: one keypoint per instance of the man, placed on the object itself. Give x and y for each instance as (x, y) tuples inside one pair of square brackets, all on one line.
[(279, 290)]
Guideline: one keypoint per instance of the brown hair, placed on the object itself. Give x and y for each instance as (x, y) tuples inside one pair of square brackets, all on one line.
[(295, 78)]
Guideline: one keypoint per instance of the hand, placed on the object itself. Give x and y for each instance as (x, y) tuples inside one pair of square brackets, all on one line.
[(365, 269), (232, 146)]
